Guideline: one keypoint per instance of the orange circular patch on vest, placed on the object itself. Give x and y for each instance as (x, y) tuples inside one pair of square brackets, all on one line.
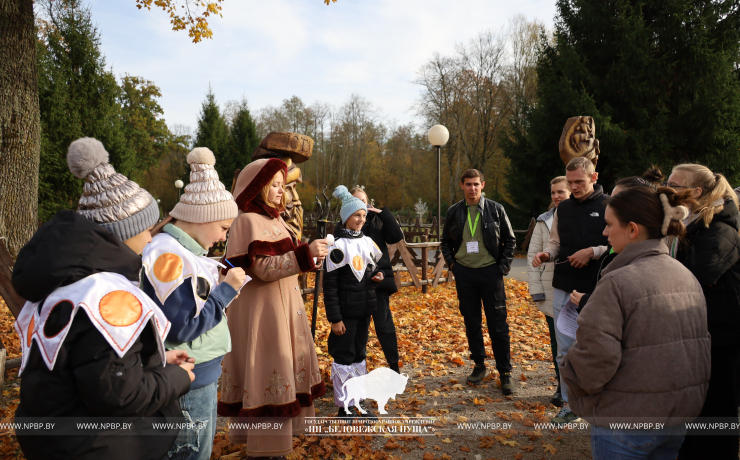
[(357, 263), (120, 308), (168, 267), (29, 333)]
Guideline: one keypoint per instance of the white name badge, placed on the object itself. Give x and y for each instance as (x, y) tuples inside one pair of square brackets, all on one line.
[(472, 247)]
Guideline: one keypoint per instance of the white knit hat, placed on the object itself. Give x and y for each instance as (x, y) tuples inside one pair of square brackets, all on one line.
[(205, 198)]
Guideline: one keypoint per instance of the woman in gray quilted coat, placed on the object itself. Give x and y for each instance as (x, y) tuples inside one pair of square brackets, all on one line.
[(642, 352)]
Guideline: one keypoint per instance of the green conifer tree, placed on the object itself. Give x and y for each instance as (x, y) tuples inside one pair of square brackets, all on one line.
[(77, 98), (213, 132), (660, 79), (243, 139)]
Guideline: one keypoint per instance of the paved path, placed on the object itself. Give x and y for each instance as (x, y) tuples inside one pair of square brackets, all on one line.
[(518, 270)]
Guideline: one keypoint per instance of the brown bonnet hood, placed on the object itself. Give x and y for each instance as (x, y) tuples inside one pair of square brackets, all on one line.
[(253, 178), (258, 235)]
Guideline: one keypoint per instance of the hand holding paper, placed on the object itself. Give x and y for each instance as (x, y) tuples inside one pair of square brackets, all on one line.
[(236, 278), (567, 320)]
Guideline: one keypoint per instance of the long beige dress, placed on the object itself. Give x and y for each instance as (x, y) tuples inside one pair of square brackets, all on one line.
[(271, 376)]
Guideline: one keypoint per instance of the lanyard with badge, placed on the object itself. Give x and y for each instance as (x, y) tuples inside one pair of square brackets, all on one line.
[(472, 246)]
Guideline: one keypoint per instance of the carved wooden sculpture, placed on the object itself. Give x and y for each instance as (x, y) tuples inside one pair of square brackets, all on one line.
[(579, 140), (292, 148)]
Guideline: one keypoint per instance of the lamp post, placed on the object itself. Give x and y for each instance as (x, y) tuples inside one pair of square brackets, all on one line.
[(438, 137), (178, 185)]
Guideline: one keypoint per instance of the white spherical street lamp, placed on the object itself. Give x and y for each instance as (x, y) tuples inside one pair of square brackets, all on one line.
[(179, 185), (438, 136)]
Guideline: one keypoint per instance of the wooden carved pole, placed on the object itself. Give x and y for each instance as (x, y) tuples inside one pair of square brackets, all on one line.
[(322, 220)]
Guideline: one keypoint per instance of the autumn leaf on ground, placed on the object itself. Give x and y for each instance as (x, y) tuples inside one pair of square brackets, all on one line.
[(428, 456), (523, 378), (504, 441), (528, 448), (462, 419), (465, 449), (391, 444), (445, 457), (549, 448), (447, 441), (486, 442), (518, 456)]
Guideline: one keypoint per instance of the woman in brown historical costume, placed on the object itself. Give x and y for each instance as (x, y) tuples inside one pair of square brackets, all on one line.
[(271, 376)]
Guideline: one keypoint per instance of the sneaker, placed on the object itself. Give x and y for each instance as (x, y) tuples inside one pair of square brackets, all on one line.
[(507, 386), (365, 407), (557, 398), (479, 371), (565, 416)]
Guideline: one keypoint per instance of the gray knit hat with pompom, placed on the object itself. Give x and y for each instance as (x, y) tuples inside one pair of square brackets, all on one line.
[(110, 199), (205, 198)]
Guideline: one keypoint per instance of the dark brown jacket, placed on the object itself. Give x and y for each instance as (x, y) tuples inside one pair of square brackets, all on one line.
[(642, 348)]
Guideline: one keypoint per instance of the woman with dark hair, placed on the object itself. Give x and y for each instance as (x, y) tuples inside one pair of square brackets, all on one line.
[(624, 369), (711, 251)]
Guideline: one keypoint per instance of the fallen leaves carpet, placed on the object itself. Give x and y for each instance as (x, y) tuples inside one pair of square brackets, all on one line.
[(434, 352)]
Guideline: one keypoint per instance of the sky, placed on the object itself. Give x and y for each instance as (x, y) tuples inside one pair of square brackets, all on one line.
[(271, 50)]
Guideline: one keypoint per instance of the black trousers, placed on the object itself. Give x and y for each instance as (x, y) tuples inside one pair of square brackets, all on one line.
[(384, 327), (486, 286), (720, 406), (350, 347)]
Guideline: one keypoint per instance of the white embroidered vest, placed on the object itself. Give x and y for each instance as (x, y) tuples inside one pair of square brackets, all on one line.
[(117, 309)]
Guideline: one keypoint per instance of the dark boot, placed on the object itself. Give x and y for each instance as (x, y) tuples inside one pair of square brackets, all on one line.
[(479, 371), (557, 398), (394, 366), (366, 407), (349, 414), (507, 386)]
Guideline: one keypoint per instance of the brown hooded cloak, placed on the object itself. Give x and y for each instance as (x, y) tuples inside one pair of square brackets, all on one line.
[(272, 373)]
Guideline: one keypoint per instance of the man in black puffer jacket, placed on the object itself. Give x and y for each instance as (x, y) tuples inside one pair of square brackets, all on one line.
[(478, 246)]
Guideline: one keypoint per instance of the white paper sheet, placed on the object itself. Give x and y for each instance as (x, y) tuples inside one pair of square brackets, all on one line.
[(567, 320)]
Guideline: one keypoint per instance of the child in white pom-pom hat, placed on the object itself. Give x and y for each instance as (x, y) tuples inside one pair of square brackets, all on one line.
[(92, 342), (349, 296), (185, 284)]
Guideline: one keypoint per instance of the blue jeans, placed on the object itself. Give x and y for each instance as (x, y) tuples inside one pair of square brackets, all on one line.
[(559, 299), (199, 409), (661, 444)]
